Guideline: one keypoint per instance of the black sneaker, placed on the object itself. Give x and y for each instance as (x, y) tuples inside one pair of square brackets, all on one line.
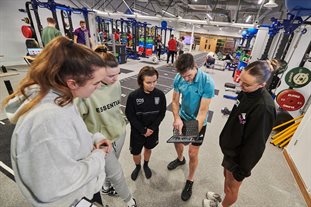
[(135, 172), (147, 171), (175, 163), (110, 191), (187, 191)]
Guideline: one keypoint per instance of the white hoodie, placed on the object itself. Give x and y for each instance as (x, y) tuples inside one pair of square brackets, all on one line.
[(52, 152)]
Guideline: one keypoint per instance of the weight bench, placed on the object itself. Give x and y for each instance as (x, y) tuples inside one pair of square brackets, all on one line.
[(233, 88)]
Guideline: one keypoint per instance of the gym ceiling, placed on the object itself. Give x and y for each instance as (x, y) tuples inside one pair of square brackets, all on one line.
[(239, 11)]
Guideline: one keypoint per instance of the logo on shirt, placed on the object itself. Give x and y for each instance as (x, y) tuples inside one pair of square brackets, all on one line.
[(242, 118), (108, 106), (156, 100), (139, 101)]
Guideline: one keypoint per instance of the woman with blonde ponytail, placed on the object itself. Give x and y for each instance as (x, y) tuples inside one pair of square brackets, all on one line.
[(56, 161)]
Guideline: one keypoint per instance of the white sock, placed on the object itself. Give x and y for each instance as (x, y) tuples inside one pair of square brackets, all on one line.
[(131, 202)]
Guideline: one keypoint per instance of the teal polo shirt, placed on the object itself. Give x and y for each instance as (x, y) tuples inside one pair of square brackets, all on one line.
[(191, 94)]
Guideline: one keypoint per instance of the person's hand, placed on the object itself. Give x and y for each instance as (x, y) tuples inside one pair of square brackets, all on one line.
[(105, 145), (178, 124), (148, 132)]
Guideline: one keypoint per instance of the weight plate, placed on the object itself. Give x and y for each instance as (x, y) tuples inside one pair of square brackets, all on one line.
[(290, 100), (27, 31), (298, 77)]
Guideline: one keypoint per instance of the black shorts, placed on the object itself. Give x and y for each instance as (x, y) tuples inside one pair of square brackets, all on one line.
[(202, 132), (137, 142), (229, 163)]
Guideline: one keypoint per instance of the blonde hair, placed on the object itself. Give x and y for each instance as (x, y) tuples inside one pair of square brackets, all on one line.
[(60, 60)]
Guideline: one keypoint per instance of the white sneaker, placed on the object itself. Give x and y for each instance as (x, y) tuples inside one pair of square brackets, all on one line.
[(210, 203), (133, 203), (213, 196)]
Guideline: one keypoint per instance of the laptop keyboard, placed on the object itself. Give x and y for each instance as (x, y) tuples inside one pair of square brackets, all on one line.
[(190, 128)]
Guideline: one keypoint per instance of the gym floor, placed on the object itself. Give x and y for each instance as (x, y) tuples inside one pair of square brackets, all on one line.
[(271, 183)]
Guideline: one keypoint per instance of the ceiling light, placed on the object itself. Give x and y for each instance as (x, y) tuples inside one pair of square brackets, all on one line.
[(168, 13), (248, 18), (136, 10), (209, 16), (270, 4)]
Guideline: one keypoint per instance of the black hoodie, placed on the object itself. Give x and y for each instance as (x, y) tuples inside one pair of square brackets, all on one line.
[(248, 127)]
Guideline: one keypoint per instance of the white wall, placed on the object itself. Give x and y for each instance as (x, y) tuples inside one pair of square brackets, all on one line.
[(11, 39), (260, 43), (211, 30), (274, 45), (299, 149)]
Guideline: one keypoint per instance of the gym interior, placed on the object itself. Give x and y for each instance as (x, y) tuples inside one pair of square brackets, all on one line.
[(232, 34)]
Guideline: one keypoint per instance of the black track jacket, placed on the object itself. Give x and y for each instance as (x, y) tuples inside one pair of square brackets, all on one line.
[(145, 110), (248, 127)]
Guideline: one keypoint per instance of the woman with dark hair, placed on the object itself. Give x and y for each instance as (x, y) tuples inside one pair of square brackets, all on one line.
[(145, 109), (248, 127), (101, 113), (56, 161)]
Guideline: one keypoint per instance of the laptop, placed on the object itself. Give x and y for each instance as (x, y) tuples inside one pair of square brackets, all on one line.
[(34, 51), (190, 133)]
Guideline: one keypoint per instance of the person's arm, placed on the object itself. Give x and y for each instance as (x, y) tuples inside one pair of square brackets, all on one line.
[(91, 43), (178, 123), (208, 94), (257, 130), (130, 113), (161, 115), (75, 38), (56, 163), (203, 110)]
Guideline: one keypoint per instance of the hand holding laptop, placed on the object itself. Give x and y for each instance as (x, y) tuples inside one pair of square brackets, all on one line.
[(188, 134)]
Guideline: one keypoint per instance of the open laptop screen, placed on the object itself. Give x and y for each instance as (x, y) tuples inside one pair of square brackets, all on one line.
[(34, 51)]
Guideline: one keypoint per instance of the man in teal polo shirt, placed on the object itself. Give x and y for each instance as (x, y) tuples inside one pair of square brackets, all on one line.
[(196, 89)]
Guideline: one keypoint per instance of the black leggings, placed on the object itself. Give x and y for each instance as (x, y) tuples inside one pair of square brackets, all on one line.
[(159, 53), (170, 53)]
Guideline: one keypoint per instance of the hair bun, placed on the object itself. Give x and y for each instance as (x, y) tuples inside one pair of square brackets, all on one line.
[(274, 64)]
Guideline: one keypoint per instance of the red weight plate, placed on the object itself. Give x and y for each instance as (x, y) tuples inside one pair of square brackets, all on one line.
[(290, 100), (27, 31)]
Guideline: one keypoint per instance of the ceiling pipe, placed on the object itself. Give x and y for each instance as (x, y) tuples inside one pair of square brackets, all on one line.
[(118, 15), (236, 16)]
